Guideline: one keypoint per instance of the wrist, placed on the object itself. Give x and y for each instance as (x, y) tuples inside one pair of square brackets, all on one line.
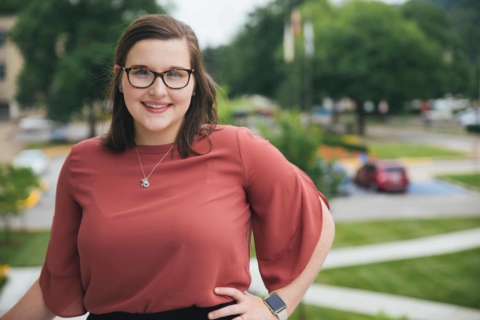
[(277, 306)]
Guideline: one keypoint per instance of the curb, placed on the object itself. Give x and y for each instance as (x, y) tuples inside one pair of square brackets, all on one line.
[(53, 152), (32, 199)]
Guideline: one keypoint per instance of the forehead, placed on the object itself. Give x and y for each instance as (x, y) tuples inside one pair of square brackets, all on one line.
[(159, 55)]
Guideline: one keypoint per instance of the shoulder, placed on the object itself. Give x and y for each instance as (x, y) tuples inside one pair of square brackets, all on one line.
[(89, 145), (89, 148), (235, 135)]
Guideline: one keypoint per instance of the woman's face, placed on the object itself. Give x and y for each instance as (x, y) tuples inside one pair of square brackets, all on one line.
[(158, 111)]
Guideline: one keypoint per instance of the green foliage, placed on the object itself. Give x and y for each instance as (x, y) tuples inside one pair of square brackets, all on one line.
[(364, 50), (68, 47), (465, 18), (248, 64), (369, 51), (473, 128), (15, 186), (299, 143), (10, 7), (434, 22)]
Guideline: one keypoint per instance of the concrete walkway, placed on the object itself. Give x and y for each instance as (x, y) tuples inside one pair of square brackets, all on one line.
[(354, 300), (373, 303)]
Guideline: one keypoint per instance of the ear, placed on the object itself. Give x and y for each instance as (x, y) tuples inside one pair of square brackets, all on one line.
[(116, 69)]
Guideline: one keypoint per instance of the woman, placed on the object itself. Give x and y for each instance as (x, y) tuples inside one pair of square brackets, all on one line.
[(153, 220)]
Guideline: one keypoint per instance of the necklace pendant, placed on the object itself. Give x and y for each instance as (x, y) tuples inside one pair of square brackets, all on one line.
[(145, 183)]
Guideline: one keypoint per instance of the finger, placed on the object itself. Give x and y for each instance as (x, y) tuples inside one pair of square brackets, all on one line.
[(238, 318), (231, 292), (227, 311)]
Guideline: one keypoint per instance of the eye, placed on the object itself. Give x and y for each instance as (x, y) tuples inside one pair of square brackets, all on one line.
[(140, 72), (174, 74)]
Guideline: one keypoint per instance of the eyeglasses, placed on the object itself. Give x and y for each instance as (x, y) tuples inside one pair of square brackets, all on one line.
[(143, 78)]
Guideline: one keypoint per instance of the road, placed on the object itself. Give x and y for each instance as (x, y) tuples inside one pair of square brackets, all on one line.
[(458, 142)]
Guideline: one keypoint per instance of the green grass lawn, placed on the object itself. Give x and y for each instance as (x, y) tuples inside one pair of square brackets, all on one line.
[(319, 313), (395, 150), (363, 233), (27, 249), (470, 179), (452, 278), (370, 232)]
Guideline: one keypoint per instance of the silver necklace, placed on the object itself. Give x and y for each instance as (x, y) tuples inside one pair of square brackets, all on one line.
[(145, 183)]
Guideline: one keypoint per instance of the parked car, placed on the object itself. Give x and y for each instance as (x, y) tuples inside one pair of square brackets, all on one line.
[(35, 123), (34, 159), (383, 176), (468, 117)]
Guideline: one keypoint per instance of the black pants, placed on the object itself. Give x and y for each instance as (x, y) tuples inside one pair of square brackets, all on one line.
[(191, 313)]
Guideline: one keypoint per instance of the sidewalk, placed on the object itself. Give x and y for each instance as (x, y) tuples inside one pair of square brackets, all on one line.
[(10, 147), (354, 300)]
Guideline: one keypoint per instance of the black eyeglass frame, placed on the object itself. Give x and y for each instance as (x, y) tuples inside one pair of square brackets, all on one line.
[(158, 74)]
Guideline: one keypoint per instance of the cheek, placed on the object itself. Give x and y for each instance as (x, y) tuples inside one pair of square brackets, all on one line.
[(182, 98)]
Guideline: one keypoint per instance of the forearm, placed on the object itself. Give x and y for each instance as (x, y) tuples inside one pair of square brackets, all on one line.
[(30, 307), (292, 294)]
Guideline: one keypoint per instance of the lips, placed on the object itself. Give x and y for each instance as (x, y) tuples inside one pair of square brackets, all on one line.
[(156, 106)]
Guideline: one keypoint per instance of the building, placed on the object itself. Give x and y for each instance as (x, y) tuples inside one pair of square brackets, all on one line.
[(11, 62)]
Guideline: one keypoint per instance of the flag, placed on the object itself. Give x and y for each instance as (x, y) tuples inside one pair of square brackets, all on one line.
[(288, 43), (296, 22), (308, 38)]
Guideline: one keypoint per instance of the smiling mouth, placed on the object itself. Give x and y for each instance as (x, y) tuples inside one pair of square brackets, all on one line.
[(156, 106)]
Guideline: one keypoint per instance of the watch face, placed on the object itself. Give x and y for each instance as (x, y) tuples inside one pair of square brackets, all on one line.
[(275, 302)]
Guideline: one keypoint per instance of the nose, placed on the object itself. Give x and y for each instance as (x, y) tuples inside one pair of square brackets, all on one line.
[(158, 88)]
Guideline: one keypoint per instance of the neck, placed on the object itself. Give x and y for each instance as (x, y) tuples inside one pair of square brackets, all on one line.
[(156, 139)]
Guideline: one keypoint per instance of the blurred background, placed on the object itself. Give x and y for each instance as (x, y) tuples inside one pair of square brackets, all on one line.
[(377, 101)]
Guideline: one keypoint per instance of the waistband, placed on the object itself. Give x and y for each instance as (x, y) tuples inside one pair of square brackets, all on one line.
[(190, 313)]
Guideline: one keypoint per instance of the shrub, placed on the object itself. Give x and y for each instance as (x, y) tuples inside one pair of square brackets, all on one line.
[(299, 143), (473, 128)]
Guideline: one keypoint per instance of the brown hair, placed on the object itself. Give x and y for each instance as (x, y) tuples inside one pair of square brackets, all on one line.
[(203, 106)]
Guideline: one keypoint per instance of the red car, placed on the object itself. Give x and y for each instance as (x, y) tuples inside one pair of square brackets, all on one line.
[(383, 176)]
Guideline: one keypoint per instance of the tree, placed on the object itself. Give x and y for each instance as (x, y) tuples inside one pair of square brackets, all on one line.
[(68, 48), (8, 7), (248, 64), (15, 186), (369, 51), (435, 24), (464, 16)]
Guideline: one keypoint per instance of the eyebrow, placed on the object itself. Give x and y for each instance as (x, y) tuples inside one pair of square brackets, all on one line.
[(146, 67)]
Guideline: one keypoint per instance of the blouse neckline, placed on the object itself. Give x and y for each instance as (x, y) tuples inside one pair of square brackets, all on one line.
[(153, 149)]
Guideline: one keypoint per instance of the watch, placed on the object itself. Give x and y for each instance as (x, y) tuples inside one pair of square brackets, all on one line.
[(277, 306)]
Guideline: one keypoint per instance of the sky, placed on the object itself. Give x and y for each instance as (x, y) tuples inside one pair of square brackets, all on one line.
[(216, 22)]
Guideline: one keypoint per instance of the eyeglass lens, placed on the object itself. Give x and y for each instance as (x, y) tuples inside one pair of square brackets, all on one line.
[(140, 77)]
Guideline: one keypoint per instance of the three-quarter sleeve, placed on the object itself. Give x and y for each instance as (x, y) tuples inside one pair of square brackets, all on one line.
[(286, 210), (60, 278)]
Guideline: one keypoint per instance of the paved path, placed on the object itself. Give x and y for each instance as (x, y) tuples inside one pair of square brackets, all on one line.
[(354, 300), (387, 207)]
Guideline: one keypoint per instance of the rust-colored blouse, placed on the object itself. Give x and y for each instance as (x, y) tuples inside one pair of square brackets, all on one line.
[(116, 246)]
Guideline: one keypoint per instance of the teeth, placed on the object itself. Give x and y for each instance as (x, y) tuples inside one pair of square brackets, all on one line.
[(154, 106)]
